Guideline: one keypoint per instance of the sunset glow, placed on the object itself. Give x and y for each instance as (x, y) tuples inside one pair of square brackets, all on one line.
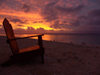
[(63, 16)]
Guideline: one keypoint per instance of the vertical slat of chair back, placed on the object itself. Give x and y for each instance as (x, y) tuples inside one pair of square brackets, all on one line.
[(10, 35)]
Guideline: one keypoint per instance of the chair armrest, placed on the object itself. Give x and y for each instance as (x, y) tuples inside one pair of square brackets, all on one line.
[(29, 36), (25, 37)]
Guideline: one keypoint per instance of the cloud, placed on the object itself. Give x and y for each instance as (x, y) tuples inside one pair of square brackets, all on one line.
[(66, 24), (61, 17), (30, 30), (20, 25), (94, 17), (49, 12), (19, 31), (52, 11), (70, 10), (10, 4), (2, 2), (34, 31), (17, 20), (37, 21), (95, 1), (95, 13), (26, 8), (89, 23)]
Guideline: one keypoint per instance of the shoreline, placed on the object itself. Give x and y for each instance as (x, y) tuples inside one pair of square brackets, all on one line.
[(70, 42)]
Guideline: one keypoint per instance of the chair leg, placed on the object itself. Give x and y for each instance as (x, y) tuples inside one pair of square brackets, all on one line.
[(42, 56)]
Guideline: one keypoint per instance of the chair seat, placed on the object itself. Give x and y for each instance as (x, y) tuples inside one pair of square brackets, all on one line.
[(32, 48)]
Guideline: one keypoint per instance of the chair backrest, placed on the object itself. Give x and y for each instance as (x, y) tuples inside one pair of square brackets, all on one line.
[(10, 36)]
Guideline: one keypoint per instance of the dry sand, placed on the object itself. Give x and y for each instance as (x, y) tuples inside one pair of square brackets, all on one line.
[(60, 59)]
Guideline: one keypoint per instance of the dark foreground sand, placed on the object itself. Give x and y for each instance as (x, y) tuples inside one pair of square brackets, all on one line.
[(60, 59)]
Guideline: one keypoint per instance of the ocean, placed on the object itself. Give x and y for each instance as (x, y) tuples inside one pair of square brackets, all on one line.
[(90, 39)]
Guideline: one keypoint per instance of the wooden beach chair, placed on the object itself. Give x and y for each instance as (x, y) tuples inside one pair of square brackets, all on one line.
[(25, 53)]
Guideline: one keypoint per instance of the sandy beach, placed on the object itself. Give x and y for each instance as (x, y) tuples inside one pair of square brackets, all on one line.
[(60, 59)]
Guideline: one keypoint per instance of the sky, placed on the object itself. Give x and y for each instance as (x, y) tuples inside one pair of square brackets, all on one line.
[(51, 16)]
